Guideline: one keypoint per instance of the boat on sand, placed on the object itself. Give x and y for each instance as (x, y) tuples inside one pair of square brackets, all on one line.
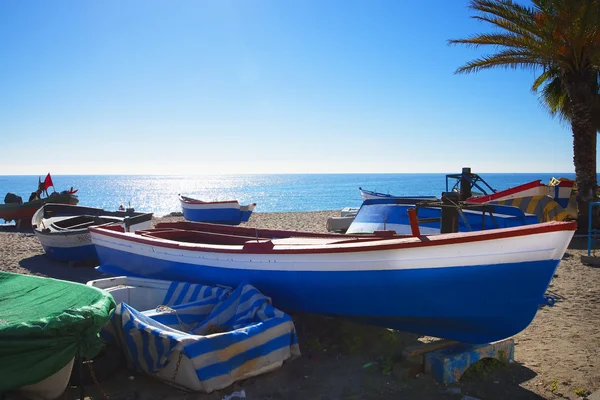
[(23, 212), (63, 229), (448, 285), (45, 324), (198, 337), (217, 212)]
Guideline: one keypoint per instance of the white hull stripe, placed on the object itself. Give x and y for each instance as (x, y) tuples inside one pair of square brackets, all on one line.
[(535, 247)]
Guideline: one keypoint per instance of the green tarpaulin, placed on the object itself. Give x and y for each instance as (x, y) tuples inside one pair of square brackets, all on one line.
[(44, 323)]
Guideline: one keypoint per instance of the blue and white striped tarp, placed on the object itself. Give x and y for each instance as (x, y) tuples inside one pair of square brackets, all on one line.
[(222, 336)]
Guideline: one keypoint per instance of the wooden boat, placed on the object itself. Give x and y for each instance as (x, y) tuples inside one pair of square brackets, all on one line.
[(561, 192), (198, 337), (368, 195), (63, 229), (46, 323), (449, 285), (217, 212), (386, 214), (23, 212)]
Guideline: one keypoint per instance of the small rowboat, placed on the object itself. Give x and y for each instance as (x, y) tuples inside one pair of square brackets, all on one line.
[(217, 212), (201, 338), (46, 323), (63, 229)]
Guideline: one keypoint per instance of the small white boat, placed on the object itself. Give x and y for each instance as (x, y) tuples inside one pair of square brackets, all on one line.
[(201, 338), (342, 223), (63, 229)]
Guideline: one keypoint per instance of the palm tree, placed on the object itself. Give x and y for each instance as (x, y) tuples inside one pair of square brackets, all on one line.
[(556, 100), (562, 38)]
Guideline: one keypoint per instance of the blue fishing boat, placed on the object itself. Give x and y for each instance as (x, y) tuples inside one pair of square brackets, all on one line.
[(217, 212), (63, 229), (392, 215), (452, 286)]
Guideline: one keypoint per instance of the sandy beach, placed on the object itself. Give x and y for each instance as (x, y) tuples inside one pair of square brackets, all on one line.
[(557, 356)]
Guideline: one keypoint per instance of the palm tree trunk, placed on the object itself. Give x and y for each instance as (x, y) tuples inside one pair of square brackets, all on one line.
[(582, 89)]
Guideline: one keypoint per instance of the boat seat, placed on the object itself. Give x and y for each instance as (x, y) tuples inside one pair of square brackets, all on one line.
[(190, 236), (82, 225)]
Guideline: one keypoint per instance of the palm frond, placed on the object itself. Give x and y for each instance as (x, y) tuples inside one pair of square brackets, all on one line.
[(540, 80), (497, 39), (509, 58)]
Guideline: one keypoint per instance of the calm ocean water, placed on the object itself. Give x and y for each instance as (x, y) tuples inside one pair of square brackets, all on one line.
[(310, 192)]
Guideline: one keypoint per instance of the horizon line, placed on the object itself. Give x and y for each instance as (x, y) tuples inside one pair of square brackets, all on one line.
[(299, 173)]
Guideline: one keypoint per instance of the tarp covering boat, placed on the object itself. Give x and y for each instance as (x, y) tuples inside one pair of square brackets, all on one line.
[(221, 336), (44, 324)]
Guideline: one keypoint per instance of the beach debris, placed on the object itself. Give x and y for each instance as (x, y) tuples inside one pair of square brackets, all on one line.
[(452, 390), (370, 365), (131, 378), (469, 398), (235, 395)]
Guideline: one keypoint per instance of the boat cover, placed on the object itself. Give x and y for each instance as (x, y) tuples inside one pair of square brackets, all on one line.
[(44, 323), (227, 335)]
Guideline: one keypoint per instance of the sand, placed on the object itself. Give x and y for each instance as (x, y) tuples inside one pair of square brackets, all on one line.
[(557, 356)]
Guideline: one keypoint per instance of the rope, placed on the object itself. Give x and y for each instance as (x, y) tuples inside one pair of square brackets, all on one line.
[(184, 327), (93, 374)]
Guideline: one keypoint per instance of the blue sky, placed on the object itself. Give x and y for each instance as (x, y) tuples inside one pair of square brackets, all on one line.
[(261, 86)]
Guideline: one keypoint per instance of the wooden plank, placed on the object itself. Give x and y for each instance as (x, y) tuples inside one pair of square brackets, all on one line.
[(421, 349)]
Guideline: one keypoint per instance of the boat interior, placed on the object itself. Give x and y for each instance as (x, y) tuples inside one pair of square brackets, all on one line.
[(81, 221), (62, 217), (214, 234)]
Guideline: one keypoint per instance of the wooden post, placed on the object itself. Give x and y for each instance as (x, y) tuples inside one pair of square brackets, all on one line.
[(414, 222), (465, 184), (449, 213)]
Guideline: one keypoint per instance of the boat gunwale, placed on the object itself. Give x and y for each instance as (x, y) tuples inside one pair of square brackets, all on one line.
[(367, 246), (507, 192), (196, 201), (83, 211)]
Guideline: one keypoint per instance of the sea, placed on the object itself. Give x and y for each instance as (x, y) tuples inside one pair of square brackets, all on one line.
[(271, 193)]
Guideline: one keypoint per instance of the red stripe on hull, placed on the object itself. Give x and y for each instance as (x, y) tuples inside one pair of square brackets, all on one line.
[(372, 245)]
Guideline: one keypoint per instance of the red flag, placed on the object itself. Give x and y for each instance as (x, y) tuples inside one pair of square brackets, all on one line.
[(48, 182)]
